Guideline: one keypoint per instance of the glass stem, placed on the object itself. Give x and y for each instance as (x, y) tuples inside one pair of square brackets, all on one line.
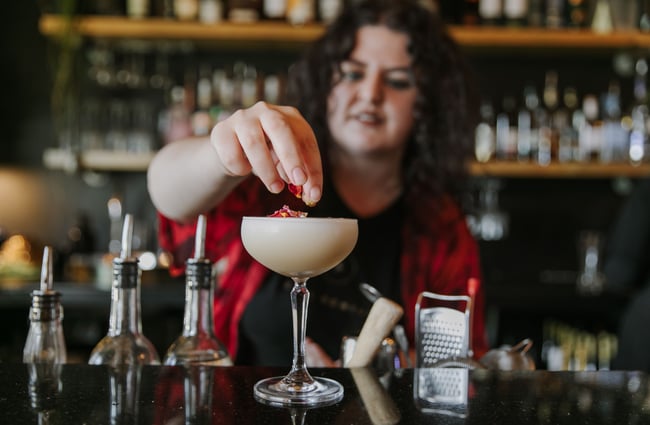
[(299, 375)]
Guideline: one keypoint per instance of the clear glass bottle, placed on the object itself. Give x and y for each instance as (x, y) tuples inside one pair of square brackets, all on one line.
[(640, 114), (124, 385), (44, 389), (198, 345), (198, 386), (45, 342), (484, 138), (125, 343)]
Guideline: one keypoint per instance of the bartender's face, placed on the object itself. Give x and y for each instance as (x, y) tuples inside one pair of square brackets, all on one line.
[(370, 107)]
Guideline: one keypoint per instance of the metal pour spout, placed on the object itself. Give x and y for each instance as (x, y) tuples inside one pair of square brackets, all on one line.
[(127, 236), (46, 270), (199, 241)]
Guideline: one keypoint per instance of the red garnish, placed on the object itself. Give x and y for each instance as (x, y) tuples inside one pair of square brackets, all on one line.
[(285, 211), (295, 190)]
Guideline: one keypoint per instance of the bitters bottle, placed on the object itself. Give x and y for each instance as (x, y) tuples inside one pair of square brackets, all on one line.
[(125, 344), (198, 344)]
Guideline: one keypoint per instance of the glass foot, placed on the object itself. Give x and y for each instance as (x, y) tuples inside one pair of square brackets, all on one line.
[(276, 392)]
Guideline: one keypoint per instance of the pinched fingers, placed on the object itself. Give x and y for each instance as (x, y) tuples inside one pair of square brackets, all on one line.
[(242, 149), (230, 153), (258, 151), (273, 142), (294, 144)]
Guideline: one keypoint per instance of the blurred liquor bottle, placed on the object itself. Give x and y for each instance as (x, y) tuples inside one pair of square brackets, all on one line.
[(201, 120), (300, 12), (163, 8), (639, 149), (210, 11), (137, 9), (490, 12), (525, 127), (515, 13), (186, 10), (567, 133), (506, 129), (484, 141), (577, 13), (536, 13), (328, 10), (555, 13), (644, 15), (274, 10), (615, 136), (244, 10)]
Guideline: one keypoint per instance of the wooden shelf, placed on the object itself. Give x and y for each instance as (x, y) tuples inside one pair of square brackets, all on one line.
[(540, 38), (511, 169), (100, 160), (97, 160), (113, 27)]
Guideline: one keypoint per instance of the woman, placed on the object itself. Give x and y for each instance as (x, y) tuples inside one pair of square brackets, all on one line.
[(383, 138)]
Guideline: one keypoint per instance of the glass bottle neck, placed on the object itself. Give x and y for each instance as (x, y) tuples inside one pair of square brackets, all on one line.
[(125, 301), (198, 312), (199, 294), (125, 312)]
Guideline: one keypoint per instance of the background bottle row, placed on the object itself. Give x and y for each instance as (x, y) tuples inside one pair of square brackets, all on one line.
[(209, 11), (129, 108), (601, 15), (558, 124)]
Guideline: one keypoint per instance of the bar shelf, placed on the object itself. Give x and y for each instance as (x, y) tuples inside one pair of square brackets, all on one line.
[(272, 33)]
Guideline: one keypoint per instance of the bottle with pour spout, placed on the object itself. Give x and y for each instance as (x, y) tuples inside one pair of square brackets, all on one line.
[(45, 342), (124, 343), (198, 344), (45, 350)]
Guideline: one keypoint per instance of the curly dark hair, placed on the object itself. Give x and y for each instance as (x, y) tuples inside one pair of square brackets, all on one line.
[(442, 137)]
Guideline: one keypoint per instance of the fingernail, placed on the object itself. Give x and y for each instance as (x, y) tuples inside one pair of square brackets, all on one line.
[(314, 194), (299, 177), (276, 187)]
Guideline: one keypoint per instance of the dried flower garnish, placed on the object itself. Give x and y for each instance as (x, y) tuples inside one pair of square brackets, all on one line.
[(285, 211), (297, 192)]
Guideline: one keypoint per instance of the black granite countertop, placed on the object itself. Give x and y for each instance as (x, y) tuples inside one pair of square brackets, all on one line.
[(85, 394)]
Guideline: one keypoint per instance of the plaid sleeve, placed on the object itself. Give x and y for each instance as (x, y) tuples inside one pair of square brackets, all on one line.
[(223, 223)]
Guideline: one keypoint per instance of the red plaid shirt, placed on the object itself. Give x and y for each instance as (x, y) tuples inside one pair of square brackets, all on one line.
[(440, 257)]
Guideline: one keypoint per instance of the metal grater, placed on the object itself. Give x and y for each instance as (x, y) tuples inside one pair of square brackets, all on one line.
[(441, 390), (441, 332), (442, 336)]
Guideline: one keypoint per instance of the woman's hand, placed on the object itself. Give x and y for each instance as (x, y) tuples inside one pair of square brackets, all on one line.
[(273, 142)]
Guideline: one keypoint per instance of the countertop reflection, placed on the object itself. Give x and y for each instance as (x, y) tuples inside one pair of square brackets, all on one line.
[(83, 394)]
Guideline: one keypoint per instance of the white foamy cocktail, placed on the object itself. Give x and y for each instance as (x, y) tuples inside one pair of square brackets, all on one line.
[(299, 246)]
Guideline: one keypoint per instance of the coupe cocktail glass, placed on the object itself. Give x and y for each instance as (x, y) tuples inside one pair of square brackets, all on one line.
[(299, 248)]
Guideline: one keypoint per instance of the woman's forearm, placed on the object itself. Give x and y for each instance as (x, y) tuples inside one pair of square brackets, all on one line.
[(186, 178)]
